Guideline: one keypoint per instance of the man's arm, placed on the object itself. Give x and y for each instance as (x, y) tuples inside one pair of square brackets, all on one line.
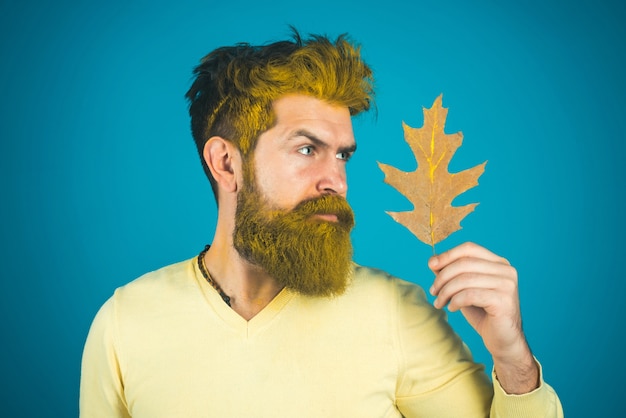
[(484, 287), (101, 390), (439, 377)]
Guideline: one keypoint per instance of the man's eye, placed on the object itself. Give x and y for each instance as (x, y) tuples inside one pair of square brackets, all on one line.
[(344, 156), (308, 150)]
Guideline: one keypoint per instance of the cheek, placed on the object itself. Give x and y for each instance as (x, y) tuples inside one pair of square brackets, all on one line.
[(284, 188)]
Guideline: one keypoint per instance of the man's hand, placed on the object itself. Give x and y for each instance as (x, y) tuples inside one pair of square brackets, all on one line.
[(483, 286)]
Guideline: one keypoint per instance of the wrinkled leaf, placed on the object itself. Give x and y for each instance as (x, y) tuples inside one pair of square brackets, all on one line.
[(431, 188)]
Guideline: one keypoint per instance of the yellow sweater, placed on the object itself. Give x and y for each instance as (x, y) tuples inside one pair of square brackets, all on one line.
[(166, 345)]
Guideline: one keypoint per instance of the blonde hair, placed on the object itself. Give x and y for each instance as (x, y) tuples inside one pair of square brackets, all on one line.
[(235, 87)]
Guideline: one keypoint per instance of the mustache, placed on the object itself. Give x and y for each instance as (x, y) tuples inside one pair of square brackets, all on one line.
[(326, 204)]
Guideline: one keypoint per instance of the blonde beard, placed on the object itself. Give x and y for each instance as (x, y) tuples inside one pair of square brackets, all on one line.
[(305, 254)]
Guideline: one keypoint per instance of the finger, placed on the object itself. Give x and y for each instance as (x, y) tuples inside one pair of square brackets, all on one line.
[(462, 282), (468, 249), (488, 300), (506, 289), (472, 267)]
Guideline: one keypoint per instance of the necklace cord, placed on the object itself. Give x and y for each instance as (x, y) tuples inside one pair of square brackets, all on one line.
[(207, 275)]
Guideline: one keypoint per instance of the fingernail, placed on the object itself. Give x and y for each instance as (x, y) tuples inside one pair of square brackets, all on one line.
[(433, 262), (432, 290)]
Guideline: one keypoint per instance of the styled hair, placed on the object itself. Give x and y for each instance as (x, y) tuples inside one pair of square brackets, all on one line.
[(235, 86)]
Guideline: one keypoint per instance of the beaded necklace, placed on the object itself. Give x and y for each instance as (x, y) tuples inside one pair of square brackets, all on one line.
[(207, 276)]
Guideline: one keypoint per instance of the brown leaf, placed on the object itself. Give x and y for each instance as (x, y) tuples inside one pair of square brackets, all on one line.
[(431, 188)]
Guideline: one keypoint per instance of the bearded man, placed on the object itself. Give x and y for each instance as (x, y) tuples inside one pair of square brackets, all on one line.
[(273, 319)]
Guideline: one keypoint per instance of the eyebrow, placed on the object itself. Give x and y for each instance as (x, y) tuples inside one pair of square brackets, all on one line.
[(320, 143)]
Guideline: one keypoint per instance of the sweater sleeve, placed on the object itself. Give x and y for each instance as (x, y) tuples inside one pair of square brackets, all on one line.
[(101, 385), (438, 376), (541, 402)]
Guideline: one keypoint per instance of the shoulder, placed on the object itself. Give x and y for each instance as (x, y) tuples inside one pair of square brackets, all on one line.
[(374, 281), (171, 276), (158, 288), (376, 289), (404, 300)]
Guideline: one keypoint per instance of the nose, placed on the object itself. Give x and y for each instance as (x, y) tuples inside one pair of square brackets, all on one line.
[(333, 179)]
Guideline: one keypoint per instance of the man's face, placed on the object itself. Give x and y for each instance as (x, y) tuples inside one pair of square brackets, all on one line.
[(304, 154), (292, 217)]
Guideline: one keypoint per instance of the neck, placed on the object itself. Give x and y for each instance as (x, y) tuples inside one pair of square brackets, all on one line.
[(249, 288)]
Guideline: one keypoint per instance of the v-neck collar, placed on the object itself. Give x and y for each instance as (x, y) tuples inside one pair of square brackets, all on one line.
[(245, 328)]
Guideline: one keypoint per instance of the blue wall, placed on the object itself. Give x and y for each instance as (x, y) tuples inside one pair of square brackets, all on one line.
[(101, 183)]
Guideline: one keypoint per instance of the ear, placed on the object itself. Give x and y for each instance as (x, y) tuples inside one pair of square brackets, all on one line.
[(224, 161)]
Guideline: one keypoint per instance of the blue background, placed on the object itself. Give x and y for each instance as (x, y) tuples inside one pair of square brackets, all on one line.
[(100, 181)]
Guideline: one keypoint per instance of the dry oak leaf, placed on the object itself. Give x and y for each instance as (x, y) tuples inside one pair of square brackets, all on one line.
[(431, 188)]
